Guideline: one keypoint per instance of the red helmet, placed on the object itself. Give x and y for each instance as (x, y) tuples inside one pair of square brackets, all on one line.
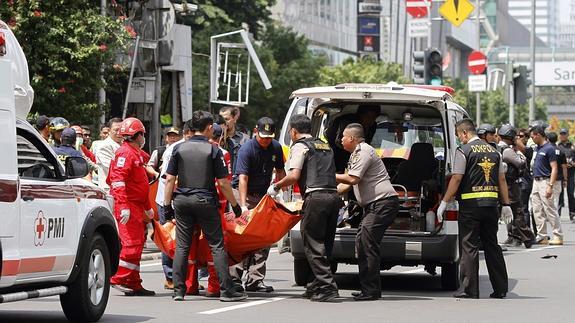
[(78, 129), (131, 126)]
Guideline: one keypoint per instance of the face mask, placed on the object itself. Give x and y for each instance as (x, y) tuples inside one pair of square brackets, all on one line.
[(143, 143), (79, 142)]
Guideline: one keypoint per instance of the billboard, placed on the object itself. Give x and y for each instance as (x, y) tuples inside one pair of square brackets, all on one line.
[(555, 73), (368, 25)]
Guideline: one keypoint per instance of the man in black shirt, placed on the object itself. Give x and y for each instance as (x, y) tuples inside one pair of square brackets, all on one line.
[(561, 170), (566, 146), (196, 162)]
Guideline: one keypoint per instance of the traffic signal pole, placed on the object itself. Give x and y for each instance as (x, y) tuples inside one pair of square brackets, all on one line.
[(532, 45), (477, 95)]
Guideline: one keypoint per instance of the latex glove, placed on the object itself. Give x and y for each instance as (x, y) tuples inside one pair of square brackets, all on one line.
[(506, 214), (441, 210), (149, 213), (244, 209), (237, 210), (272, 191), (124, 216), (169, 212)]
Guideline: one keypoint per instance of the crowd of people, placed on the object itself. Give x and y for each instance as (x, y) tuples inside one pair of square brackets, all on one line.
[(211, 167)]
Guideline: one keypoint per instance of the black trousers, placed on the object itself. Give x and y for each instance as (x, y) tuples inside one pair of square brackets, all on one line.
[(475, 224), (377, 217), (191, 210), (571, 189), (319, 221), (518, 229), (526, 187)]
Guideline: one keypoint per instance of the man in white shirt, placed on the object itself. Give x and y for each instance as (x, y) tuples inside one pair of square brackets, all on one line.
[(106, 152)]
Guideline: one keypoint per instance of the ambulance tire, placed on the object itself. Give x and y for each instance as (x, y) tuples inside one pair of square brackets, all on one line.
[(450, 276), (87, 296), (301, 271)]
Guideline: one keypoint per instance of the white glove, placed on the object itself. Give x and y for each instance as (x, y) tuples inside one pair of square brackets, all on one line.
[(244, 209), (506, 214), (441, 210), (124, 216), (272, 191), (150, 213)]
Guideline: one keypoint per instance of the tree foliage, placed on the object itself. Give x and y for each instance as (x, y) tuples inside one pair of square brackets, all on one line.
[(494, 109), (364, 70), (66, 44)]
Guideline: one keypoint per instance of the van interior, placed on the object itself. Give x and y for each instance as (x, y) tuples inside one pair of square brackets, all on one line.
[(411, 142)]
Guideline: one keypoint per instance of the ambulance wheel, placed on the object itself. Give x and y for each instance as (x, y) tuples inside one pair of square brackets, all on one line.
[(87, 296), (301, 271), (450, 276)]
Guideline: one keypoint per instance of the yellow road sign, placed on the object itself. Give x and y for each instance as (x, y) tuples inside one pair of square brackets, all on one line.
[(456, 11)]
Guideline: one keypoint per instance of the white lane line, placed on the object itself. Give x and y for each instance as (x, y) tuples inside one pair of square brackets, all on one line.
[(244, 305), (537, 249), (151, 265)]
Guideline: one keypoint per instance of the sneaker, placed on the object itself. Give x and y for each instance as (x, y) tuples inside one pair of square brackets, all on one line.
[(122, 288), (232, 296), (260, 287), (528, 243), (141, 292), (307, 294), (325, 296), (169, 284), (543, 241), (556, 242)]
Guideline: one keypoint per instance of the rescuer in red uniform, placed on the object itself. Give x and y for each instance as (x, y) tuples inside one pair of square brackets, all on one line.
[(129, 187)]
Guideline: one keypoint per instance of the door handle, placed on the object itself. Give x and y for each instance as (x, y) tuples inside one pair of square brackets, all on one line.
[(27, 198)]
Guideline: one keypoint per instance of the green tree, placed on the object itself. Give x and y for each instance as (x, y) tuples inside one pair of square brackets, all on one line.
[(66, 43), (365, 70), (494, 109)]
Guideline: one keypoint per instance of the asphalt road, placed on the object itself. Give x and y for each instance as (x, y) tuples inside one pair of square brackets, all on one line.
[(540, 290)]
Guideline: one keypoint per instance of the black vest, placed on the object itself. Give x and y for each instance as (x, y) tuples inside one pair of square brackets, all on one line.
[(513, 172), (196, 165), (318, 170), (480, 184)]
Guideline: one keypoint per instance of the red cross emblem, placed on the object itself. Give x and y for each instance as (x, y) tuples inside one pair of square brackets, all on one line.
[(39, 229), (368, 41)]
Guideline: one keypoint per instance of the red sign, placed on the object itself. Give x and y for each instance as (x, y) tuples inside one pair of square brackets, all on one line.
[(476, 62), (416, 8)]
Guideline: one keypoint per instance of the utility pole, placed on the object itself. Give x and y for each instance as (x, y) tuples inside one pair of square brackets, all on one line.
[(532, 44), (155, 124), (101, 91), (477, 95)]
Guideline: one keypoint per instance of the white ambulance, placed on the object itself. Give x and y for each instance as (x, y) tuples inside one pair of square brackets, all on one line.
[(57, 232)]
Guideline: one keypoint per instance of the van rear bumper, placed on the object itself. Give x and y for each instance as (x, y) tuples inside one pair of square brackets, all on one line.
[(394, 250)]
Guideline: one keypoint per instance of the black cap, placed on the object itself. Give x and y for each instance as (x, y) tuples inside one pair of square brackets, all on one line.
[(563, 131), (266, 128), (218, 131), (42, 122), (68, 136)]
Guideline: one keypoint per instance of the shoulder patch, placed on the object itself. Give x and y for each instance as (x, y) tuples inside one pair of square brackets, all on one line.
[(321, 146), (121, 162)]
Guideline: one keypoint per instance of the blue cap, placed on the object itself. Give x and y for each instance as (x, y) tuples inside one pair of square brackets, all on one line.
[(218, 131)]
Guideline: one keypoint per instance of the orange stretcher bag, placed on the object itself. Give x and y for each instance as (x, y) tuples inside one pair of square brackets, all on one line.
[(165, 237), (258, 228)]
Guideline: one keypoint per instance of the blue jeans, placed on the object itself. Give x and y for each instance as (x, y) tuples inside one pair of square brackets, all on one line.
[(166, 261)]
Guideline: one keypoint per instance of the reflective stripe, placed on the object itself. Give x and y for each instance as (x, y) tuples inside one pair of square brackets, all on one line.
[(129, 265), (210, 263), (477, 195), (118, 184)]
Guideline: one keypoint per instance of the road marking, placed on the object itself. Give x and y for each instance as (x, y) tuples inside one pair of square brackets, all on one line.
[(543, 248), (151, 265), (244, 305)]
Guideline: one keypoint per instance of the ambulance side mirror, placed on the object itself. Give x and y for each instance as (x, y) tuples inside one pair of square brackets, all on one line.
[(76, 167)]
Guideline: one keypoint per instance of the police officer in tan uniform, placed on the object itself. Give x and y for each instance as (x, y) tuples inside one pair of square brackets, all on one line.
[(375, 194), (478, 183)]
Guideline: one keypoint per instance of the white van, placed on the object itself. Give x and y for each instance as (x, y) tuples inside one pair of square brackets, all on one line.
[(58, 235), (415, 137)]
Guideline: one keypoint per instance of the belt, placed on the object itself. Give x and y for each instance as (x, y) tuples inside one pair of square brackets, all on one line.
[(540, 178), (322, 191)]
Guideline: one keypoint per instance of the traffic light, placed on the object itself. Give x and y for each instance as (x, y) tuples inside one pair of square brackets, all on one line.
[(433, 74), (418, 67), (521, 83)]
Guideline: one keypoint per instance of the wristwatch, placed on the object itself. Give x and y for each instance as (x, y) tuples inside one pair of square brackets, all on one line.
[(550, 184)]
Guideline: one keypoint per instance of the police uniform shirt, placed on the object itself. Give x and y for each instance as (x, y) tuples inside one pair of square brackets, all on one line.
[(64, 151), (512, 157), (460, 162), (258, 164), (219, 168), (542, 158), (374, 182), (297, 156)]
